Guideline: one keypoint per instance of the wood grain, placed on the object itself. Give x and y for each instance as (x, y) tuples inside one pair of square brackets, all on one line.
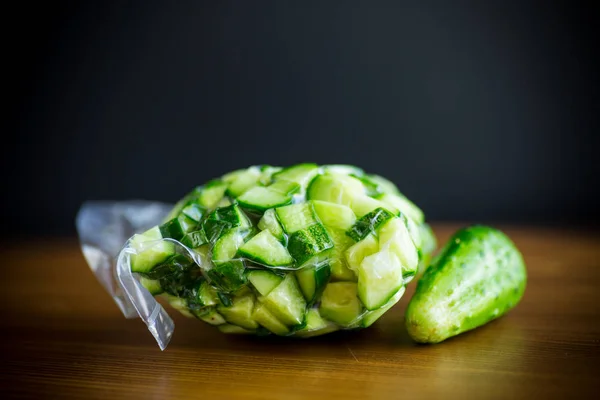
[(62, 337)]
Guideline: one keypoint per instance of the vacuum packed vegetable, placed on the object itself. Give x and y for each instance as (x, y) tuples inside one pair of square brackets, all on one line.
[(297, 251)]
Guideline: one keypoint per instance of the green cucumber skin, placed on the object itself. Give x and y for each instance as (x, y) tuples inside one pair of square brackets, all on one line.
[(478, 276)]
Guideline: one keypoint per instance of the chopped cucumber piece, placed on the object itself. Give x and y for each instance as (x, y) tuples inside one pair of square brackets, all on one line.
[(340, 304), (264, 248), (150, 250), (207, 295), (212, 317), (379, 278), (228, 244), (151, 285), (369, 223), (286, 302), (234, 329), (337, 259), (363, 204), (301, 174), (343, 169), (224, 202), (334, 215), (414, 230), (269, 222), (357, 252), (284, 187), (241, 180), (339, 189), (212, 193), (178, 304), (296, 217), (308, 246), (267, 171), (262, 198), (194, 212), (171, 268), (384, 184), (264, 281), (222, 219), (428, 239), (194, 239), (312, 280), (404, 205), (264, 317), (228, 276), (370, 317), (315, 325), (372, 189), (240, 312), (394, 236)]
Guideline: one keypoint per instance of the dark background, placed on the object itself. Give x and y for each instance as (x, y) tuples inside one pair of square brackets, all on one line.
[(479, 111)]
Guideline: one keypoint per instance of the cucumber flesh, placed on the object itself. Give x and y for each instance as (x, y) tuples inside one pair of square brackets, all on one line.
[(150, 250), (343, 169), (384, 184), (337, 258), (227, 246), (212, 317), (284, 187), (264, 281), (334, 215), (207, 295), (242, 180), (234, 329), (178, 304), (339, 189), (212, 193), (151, 285), (296, 217), (286, 302), (266, 174), (340, 304), (240, 312), (194, 212), (301, 174), (264, 248), (379, 278), (404, 205), (264, 317), (357, 252), (415, 232), (262, 198), (370, 317), (363, 204), (312, 280), (394, 236), (315, 325), (269, 222)]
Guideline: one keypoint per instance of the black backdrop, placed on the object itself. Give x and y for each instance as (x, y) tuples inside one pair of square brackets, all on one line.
[(480, 111)]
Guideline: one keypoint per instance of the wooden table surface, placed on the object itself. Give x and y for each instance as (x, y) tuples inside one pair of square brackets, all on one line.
[(63, 337)]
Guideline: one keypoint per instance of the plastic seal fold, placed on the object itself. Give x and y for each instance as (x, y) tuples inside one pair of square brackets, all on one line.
[(104, 229)]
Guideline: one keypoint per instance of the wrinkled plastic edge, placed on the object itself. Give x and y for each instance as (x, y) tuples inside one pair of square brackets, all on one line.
[(104, 229)]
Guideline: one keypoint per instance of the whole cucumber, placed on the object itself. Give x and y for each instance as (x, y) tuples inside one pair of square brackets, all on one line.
[(478, 276)]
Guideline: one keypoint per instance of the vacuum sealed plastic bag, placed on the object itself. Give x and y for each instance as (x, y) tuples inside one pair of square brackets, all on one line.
[(299, 251)]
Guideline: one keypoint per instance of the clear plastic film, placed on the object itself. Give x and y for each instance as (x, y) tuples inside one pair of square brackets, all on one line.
[(104, 229)]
